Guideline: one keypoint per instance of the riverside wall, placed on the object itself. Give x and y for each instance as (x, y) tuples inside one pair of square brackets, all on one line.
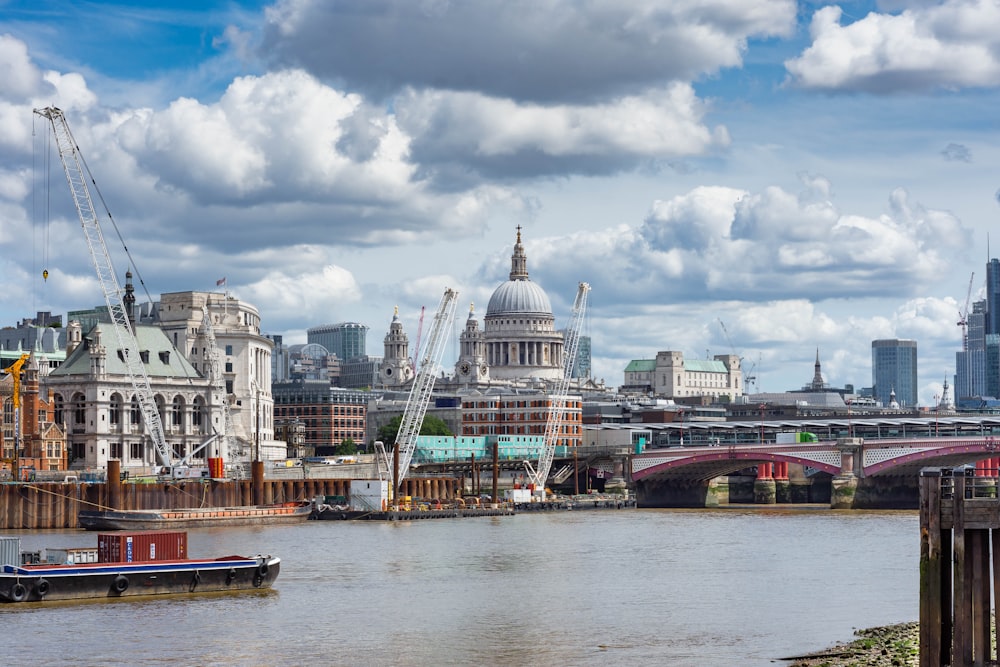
[(47, 505)]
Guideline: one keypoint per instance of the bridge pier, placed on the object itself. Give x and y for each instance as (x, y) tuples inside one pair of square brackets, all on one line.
[(844, 486), (764, 487), (682, 493)]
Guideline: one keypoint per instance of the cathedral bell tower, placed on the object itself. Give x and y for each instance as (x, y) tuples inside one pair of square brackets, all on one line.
[(471, 367), (396, 368)]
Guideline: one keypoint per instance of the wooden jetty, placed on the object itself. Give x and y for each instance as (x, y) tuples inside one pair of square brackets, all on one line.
[(959, 542)]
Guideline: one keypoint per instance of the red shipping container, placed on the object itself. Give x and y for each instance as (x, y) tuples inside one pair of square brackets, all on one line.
[(148, 545)]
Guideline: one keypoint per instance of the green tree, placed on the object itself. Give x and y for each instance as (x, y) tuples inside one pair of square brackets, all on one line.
[(431, 426), (346, 447)]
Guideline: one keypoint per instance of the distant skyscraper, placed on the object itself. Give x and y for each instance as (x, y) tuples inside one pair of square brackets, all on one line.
[(894, 370), (346, 340), (993, 296), (581, 367), (970, 364)]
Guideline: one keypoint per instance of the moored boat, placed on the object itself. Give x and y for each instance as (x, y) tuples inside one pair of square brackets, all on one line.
[(195, 517), (126, 565)]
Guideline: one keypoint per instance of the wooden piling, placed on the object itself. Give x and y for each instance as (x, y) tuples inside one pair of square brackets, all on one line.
[(958, 530)]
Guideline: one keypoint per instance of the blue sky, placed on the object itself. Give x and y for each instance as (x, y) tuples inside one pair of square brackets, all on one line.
[(814, 175)]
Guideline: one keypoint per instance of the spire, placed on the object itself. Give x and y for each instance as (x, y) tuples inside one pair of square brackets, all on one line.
[(518, 262), (817, 382)]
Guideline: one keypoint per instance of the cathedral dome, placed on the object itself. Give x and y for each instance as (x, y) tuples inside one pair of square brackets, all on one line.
[(516, 297)]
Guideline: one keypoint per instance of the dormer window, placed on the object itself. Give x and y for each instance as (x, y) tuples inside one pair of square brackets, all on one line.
[(165, 357), (144, 355)]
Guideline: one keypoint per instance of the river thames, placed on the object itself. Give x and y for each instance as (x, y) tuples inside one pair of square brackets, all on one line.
[(611, 587)]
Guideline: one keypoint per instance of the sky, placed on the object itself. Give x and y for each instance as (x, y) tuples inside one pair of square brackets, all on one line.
[(767, 178)]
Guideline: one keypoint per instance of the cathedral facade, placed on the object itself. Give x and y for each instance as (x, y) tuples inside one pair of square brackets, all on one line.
[(517, 344), (518, 341)]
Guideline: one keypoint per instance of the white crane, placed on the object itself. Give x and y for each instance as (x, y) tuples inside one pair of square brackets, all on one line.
[(75, 167), (557, 410), (423, 383), (963, 315)]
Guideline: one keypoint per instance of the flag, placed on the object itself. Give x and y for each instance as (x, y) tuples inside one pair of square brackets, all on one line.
[(220, 282)]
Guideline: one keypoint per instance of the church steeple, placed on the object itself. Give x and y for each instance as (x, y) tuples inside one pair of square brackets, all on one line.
[(518, 262), (817, 382)]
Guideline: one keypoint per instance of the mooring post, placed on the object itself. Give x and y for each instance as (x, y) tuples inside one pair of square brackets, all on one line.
[(961, 633), (114, 484), (930, 568), (496, 472)]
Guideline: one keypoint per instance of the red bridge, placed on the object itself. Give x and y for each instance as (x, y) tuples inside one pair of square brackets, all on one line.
[(849, 472)]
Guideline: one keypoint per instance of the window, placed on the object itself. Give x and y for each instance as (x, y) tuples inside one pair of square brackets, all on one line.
[(135, 449), (229, 350), (79, 410), (229, 367), (196, 414), (177, 411), (115, 411), (57, 404), (135, 415), (116, 450)]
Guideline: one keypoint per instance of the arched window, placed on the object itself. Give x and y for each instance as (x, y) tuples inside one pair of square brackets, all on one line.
[(115, 410), (177, 411), (160, 408), (57, 408), (135, 414), (197, 415), (79, 409)]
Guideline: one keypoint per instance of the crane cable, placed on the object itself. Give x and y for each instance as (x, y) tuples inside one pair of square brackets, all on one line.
[(114, 224)]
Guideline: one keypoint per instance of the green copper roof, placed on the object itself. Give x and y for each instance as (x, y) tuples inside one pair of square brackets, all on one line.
[(640, 365), (704, 366), (163, 359)]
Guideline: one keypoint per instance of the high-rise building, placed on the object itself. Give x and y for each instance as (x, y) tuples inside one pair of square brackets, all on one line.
[(581, 367), (970, 363), (894, 371), (346, 339), (993, 296)]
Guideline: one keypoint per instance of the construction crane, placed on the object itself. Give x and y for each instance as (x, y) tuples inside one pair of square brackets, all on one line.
[(15, 370), (423, 384), (963, 315), (77, 175), (748, 377), (557, 409)]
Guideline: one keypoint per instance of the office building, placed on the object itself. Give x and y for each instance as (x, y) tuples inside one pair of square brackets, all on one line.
[(894, 372)]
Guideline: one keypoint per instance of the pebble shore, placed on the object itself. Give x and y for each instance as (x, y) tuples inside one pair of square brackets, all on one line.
[(887, 646)]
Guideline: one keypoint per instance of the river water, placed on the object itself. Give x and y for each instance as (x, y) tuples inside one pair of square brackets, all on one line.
[(610, 587)]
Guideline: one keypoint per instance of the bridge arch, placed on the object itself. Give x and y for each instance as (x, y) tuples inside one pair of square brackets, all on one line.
[(706, 465)]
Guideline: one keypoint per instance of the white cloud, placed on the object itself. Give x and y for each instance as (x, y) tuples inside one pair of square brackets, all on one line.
[(502, 137), (951, 45), (721, 243), (281, 296)]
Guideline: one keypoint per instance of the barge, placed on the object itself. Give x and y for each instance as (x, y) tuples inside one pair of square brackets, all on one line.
[(129, 565), (252, 515)]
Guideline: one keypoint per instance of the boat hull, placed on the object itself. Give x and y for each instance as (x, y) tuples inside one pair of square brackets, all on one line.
[(37, 583), (194, 518)]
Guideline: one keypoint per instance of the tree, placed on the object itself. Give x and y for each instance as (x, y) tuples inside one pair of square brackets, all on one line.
[(431, 426), (346, 448)]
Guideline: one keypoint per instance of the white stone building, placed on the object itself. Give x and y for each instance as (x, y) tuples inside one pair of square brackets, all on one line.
[(245, 355), (93, 399)]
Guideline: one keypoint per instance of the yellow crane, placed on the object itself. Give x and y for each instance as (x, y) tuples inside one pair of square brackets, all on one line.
[(15, 371)]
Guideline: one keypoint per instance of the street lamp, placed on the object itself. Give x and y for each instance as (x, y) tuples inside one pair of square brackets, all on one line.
[(762, 406)]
